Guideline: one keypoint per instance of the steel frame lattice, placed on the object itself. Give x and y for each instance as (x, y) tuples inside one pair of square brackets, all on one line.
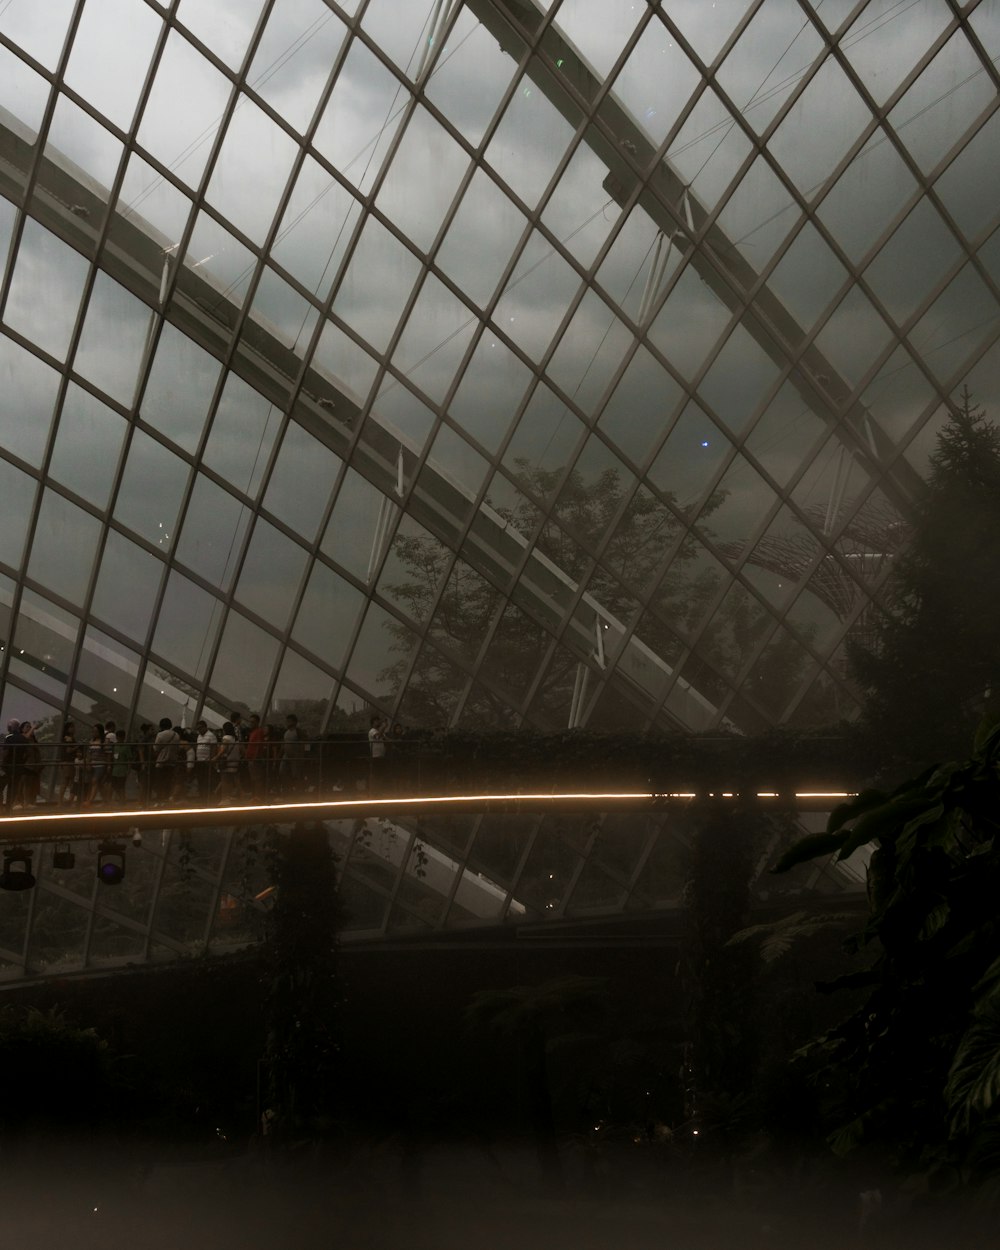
[(491, 362)]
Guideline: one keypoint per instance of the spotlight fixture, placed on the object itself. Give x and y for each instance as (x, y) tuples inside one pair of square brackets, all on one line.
[(17, 874), (110, 863), (63, 857)]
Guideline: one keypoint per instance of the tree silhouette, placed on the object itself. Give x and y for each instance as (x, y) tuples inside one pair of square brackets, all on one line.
[(936, 657)]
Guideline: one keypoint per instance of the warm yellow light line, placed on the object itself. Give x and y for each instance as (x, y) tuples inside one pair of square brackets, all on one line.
[(332, 806)]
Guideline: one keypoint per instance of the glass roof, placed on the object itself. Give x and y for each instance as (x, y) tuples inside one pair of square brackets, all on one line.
[(496, 362)]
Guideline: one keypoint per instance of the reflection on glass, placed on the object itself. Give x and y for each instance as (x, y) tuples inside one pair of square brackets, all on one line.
[(64, 546), (151, 490), (29, 391), (244, 664), (45, 290), (187, 626), (114, 335), (272, 570), (213, 531), (125, 564)]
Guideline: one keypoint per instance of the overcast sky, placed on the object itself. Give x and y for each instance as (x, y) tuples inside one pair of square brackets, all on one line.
[(355, 130)]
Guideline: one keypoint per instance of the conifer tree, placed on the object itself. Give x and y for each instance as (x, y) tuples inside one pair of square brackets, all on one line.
[(935, 663)]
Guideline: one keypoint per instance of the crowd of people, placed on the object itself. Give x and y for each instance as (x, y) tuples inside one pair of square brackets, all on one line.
[(246, 760)]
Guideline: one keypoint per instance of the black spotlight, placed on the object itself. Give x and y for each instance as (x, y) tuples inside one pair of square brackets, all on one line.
[(63, 858), (17, 874), (110, 863)]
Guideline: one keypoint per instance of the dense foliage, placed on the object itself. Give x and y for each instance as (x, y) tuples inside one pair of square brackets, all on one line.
[(915, 1068), (936, 657)]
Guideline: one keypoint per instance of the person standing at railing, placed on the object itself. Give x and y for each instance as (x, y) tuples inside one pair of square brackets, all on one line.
[(62, 789), (291, 757), (31, 782), (376, 755), (255, 753), (206, 746)]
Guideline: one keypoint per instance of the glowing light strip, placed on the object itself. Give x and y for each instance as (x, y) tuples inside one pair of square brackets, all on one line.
[(332, 806)]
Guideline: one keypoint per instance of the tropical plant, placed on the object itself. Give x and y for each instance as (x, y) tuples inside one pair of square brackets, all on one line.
[(915, 1067)]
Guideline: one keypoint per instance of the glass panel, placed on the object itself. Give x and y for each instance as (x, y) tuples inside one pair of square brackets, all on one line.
[(897, 395), (399, 411), (187, 625), (433, 690), (744, 67), (293, 59), (472, 55), (350, 534), (40, 33), (64, 547), (778, 674), (151, 490), (282, 312), (592, 347), (184, 110), (536, 298), (425, 146), (853, 336), (226, 30), (477, 269), (949, 94), (656, 81), (401, 33), (690, 457), (515, 652), (244, 664), (824, 121), (883, 49), (316, 229), (329, 612), (272, 571), (759, 214), (228, 268), (105, 676), (45, 290), (58, 932), (377, 284), (689, 324), (29, 390), (304, 691), (179, 391), (358, 151), (213, 532), (625, 270), (301, 481), (111, 53), (114, 336), (709, 149), (147, 196), (380, 655), (413, 570), (87, 447), (866, 197), (958, 321), (74, 134), (807, 277), (44, 641), (970, 186), (527, 144), (737, 508), (581, 212), (492, 387), (242, 435), (912, 262), (708, 29), (123, 564), (783, 437), (599, 28), (346, 362), (544, 441), (247, 192), (435, 340), (18, 493), (456, 459), (738, 379), (641, 407)]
